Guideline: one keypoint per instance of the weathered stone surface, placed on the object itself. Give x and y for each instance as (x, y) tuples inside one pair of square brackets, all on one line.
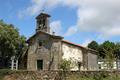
[(49, 52), (31, 75), (55, 75), (9, 77), (72, 53), (92, 61)]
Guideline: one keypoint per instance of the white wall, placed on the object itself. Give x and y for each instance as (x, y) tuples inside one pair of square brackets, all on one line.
[(72, 53), (103, 65)]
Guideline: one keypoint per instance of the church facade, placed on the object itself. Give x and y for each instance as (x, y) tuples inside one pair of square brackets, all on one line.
[(46, 50)]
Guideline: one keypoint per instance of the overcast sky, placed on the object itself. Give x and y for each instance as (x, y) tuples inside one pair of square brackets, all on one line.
[(79, 21)]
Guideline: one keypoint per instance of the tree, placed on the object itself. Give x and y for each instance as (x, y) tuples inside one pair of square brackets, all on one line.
[(11, 42), (110, 57), (65, 66), (109, 51), (105, 46), (93, 45), (117, 51)]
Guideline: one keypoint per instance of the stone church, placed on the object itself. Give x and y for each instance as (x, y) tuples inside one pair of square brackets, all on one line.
[(46, 50)]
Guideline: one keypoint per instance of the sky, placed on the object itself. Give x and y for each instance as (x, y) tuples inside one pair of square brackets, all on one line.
[(78, 21)]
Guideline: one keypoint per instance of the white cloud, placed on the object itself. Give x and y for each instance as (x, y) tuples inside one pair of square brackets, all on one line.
[(100, 16), (72, 30), (37, 6), (34, 8), (86, 42), (56, 27), (113, 31)]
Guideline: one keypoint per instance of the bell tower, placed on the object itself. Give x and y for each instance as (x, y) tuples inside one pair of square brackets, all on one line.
[(42, 21)]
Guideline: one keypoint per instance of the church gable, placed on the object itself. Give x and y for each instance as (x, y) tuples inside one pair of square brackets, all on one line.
[(44, 48), (41, 41)]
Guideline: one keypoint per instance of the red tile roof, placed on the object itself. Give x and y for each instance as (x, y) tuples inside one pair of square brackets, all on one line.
[(72, 43), (78, 45)]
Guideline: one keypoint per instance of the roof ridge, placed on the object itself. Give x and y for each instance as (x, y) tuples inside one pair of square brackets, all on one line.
[(78, 45)]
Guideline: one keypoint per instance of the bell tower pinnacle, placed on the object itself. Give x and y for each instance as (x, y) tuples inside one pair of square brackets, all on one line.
[(43, 22)]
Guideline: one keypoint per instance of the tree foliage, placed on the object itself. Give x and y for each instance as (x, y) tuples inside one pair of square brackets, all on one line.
[(65, 65), (108, 52), (105, 46), (93, 45), (11, 42), (105, 49)]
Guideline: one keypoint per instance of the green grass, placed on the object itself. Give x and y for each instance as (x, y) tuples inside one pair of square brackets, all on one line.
[(100, 76), (4, 72)]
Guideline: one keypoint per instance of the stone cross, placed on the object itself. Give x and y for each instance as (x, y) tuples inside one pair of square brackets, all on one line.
[(14, 63)]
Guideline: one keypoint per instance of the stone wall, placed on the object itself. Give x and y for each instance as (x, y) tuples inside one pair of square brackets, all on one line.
[(92, 61), (32, 75), (49, 52), (77, 54), (72, 53), (56, 75)]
